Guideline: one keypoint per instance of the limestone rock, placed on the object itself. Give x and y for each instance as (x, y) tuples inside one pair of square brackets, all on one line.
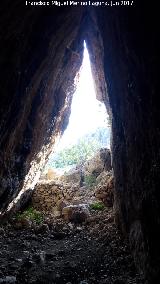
[(47, 195), (51, 174), (104, 192), (75, 213), (103, 177), (72, 176), (53, 196), (101, 161), (61, 204)]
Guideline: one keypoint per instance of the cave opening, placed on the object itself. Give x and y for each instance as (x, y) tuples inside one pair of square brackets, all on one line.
[(88, 129), (86, 141)]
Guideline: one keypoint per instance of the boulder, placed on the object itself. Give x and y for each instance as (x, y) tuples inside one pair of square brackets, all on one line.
[(73, 176), (76, 213), (103, 177), (100, 162), (51, 174)]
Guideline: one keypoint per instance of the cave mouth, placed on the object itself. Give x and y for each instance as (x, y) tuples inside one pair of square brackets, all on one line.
[(89, 98), (88, 129)]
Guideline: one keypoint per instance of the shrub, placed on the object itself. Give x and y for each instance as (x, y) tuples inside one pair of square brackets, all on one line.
[(32, 214), (97, 206), (84, 149)]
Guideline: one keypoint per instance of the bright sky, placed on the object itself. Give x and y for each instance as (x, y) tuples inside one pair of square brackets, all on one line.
[(87, 113)]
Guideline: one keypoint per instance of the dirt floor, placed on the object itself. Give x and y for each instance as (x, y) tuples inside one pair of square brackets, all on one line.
[(63, 253)]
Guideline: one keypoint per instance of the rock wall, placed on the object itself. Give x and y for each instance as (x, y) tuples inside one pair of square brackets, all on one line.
[(41, 50), (87, 183), (48, 196), (130, 56), (51, 196), (39, 61)]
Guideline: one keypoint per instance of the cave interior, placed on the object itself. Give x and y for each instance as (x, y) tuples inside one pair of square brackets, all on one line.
[(41, 53)]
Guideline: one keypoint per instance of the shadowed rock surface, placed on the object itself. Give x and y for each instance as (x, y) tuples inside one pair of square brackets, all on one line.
[(41, 52)]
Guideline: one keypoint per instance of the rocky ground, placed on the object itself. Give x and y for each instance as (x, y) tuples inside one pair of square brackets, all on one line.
[(65, 253), (68, 235)]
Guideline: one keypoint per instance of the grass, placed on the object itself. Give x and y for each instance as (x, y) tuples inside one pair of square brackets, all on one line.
[(31, 214), (97, 206)]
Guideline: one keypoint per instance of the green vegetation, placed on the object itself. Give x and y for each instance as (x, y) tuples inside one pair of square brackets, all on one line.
[(31, 214), (90, 180), (85, 148), (97, 206), (74, 155)]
